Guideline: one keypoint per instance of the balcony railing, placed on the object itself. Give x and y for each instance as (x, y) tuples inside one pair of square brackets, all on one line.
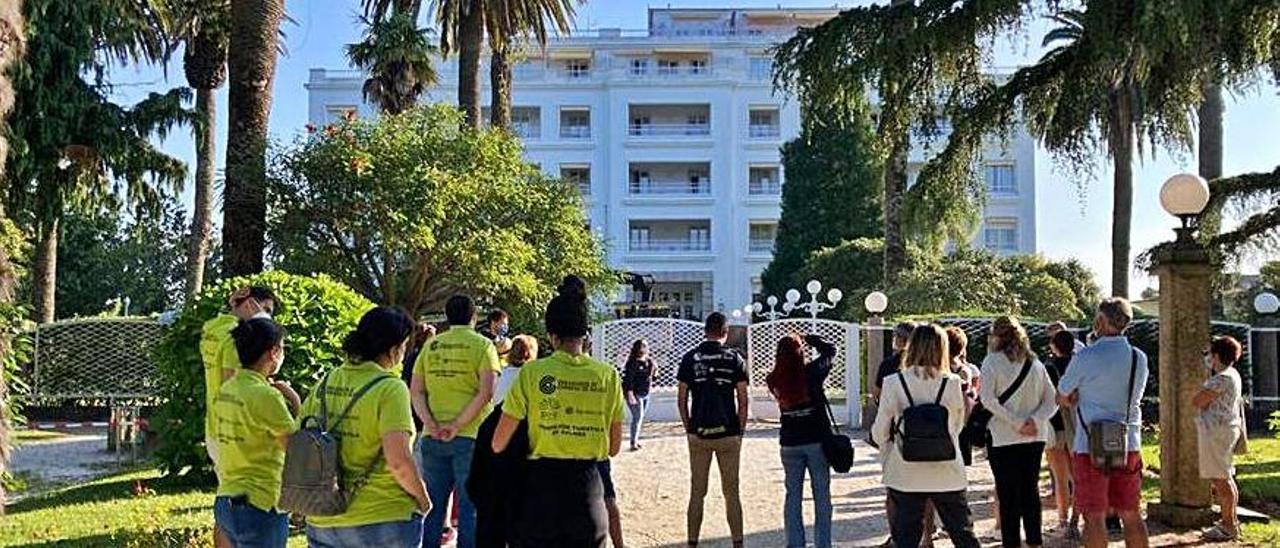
[(670, 188), (584, 188), (763, 131), (669, 130), (671, 246), (575, 132), (764, 188), (683, 72), (760, 245), (526, 131)]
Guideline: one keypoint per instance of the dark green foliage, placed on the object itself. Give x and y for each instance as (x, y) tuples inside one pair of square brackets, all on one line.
[(831, 195), (105, 256), (317, 313)]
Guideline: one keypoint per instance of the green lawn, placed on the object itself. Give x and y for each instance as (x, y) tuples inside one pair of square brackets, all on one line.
[(23, 436), (133, 509), (1257, 475)]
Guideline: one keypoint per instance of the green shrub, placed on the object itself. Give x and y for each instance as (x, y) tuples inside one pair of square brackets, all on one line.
[(317, 313)]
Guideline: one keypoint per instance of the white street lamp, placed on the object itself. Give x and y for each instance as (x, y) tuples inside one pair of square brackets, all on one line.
[(876, 302), (813, 307), (1184, 196), (772, 314), (1266, 303)]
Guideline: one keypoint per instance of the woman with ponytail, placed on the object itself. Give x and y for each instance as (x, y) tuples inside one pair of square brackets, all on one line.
[(390, 500), (255, 416), (573, 406)]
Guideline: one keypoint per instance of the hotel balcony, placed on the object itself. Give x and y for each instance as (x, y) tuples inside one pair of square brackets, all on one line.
[(669, 179), (669, 121), (670, 237)]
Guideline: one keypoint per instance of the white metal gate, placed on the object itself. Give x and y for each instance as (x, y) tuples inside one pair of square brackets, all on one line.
[(843, 384), (668, 340)]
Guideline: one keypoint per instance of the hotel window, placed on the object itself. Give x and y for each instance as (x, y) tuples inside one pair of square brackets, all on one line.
[(578, 175), (639, 67), (761, 235), (1000, 235), (639, 238), (760, 68), (577, 68), (668, 66), (1000, 179), (575, 123), (763, 180), (700, 238), (698, 66), (762, 122)]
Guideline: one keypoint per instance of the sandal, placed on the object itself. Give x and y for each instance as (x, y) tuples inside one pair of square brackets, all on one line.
[(1219, 533)]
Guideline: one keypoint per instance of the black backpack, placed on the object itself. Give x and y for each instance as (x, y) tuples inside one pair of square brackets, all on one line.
[(923, 431)]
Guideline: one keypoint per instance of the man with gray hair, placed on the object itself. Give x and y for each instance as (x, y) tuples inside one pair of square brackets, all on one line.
[(1105, 382)]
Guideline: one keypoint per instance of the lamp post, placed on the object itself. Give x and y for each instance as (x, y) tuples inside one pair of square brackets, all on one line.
[(1186, 271), (813, 307), (772, 314), (1265, 351), (876, 303)]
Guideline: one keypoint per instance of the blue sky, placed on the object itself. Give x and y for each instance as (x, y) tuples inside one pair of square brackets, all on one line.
[(1073, 216)]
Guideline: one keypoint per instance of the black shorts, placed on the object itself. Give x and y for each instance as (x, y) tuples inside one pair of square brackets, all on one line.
[(606, 477)]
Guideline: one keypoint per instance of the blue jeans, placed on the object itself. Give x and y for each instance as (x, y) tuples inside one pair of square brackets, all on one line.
[(445, 467), (392, 534), (637, 416), (248, 526), (795, 460)]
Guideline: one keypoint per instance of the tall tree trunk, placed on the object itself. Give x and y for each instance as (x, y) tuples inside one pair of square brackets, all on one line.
[(470, 42), (895, 189), (251, 66), (202, 214), (500, 82), (1122, 146), (45, 271), (1210, 131)]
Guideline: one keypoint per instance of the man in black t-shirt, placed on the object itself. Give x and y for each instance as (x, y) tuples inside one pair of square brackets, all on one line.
[(716, 375)]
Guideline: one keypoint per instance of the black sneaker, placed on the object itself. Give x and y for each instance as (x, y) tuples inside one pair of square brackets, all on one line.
[(1113, 526)]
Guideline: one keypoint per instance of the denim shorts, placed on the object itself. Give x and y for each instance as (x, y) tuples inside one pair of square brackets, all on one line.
[(392, 534), (248, 526)]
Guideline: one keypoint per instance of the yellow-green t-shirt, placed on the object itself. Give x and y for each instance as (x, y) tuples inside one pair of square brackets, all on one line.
[(571, 403), (382, 410), (218, 352), (252, 416), (450, 367)]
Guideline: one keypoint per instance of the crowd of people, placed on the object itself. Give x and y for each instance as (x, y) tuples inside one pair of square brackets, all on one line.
[(473, 436)]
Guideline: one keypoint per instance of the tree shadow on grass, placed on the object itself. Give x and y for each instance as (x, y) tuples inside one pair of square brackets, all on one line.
[(169, 538), (101, 491)]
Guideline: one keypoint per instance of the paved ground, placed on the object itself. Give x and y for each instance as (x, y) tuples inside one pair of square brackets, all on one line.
[(653, 491)]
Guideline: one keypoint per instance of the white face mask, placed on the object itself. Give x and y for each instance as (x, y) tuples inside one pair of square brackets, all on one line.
[(261, 314)]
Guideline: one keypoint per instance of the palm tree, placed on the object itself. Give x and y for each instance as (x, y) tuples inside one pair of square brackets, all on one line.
[(251, 67), (202, 26), (1116, 112), (12, 44), (397, 56), (507, 21)]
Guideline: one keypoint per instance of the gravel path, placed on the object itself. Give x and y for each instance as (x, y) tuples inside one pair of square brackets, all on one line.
[(63, 461), (653, 487)]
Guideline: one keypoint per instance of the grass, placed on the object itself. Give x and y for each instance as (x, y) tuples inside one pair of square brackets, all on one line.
[(1257, 476), (132, 509)]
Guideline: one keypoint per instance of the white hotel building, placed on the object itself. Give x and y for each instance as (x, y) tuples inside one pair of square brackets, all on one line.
[(673, 134)]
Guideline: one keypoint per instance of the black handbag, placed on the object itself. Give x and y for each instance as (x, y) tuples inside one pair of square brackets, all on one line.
[(975, 432), (837, 447)]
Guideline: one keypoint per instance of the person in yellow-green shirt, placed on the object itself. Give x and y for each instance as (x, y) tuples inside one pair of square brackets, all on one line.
[(452, 389), (375, 437), (255, 415), (218, 351), (573, 406)]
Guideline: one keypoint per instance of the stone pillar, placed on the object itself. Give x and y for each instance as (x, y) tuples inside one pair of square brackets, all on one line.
[(1185, 274), (874, 353), (1265, 348)]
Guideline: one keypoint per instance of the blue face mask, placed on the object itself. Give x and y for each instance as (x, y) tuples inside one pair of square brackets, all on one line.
[(502, 330)]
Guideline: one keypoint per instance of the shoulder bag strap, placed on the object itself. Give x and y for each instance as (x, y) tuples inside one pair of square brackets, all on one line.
[(356, 397), (941, 389), (831, 416), (1017, 383), (911, 402), (324, 409), (1133, 371)]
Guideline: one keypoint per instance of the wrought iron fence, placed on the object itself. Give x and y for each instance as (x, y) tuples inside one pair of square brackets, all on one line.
[(107, 358)]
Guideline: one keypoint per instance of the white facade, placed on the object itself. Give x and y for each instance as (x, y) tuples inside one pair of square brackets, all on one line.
[(674, 133)]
